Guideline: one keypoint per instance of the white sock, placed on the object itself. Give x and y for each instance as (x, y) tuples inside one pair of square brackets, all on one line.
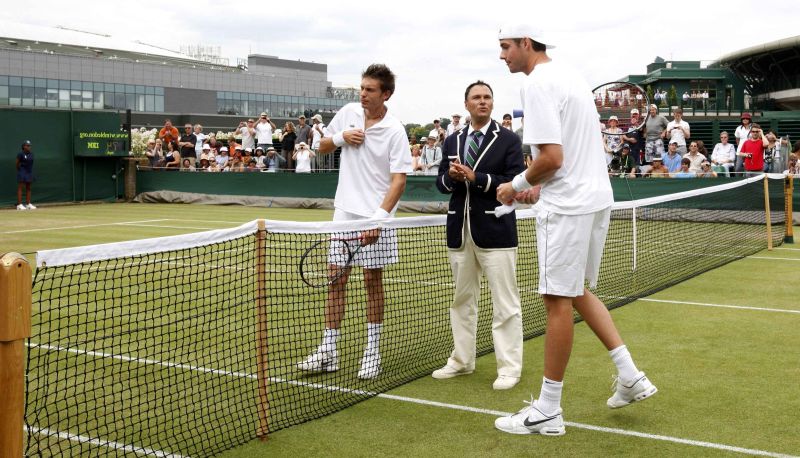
[(622, 359), (550, 397), (374, 336), (329, 340)]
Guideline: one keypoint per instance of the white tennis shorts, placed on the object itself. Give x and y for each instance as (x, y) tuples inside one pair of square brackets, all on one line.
[(375, 256), (570, 249)]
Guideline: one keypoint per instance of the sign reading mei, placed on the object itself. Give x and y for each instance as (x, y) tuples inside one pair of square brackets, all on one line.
[(101, 144)]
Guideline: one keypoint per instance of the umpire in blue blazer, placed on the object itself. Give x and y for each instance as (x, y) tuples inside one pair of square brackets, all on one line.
[(475, 160)]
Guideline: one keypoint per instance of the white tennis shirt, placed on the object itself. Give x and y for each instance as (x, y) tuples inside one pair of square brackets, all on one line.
[(365, 170), (559, 109)]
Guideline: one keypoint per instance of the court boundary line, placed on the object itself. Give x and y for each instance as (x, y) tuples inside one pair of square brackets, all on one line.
[(100, 442), (704, 304), (619, 431), (122, 223)]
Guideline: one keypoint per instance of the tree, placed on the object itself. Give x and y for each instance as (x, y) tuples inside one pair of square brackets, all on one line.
[(649, 92), (673, 96)]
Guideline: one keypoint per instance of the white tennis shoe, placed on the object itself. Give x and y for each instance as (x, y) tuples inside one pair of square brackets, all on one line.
[(31, 207), (370, 365), (448, 372), (531, 420), (320, 361), (637, 390), (21, 207)]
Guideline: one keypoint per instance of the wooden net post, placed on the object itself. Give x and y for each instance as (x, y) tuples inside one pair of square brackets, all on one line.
[(15, 327), (788, 189), (766, 208), (261, 333)]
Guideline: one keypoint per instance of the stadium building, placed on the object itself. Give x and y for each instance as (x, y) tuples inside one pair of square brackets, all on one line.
[(59, 68)]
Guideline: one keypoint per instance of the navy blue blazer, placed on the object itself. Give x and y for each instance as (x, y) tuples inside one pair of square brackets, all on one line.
[(499, 160)]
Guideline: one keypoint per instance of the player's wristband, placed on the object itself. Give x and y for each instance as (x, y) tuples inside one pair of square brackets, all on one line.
[(380, 213), (520, 183), (338, 139)]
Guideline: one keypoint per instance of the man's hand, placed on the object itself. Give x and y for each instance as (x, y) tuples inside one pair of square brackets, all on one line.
[(461, 172), (369, 237), (529, 196), (354, 137), (506, 193)]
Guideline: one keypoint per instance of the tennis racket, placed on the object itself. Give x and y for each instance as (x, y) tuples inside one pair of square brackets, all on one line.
[(327, 260), (615, 101)]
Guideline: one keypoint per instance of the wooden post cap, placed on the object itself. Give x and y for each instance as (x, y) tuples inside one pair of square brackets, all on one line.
[(15, 297)]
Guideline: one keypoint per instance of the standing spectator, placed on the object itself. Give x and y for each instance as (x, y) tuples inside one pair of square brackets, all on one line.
[(187, 144), (685, 98), (317, 132), (416, 159), (654, 129), (742, 134), (695, 158), (288, 136), (672, 161), (612, 140), (436, 129), (153, 152), (264, 130), (372, 178), (303, 132), (678, 131), (723, 157), (635, 139), (303, 155), (233, 146), (214, 144), (507, 122), (793, 166), (273, 161), (752, 151), (431, 156), (478, 242), (772, 152), (172, 159), (248, 132), (455, 125), (574, 213), (24, 166), (658, 169), (201, 139), (683, 171), (168, 133)]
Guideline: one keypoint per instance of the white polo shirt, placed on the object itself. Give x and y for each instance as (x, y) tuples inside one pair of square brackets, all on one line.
[(365, 170), (559, 109)]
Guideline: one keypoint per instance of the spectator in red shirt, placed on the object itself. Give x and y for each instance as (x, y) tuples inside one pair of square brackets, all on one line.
[(753, 151), (168, 133)]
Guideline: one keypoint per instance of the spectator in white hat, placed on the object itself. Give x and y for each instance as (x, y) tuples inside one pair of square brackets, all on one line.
[(317, 132), (303, 155), (455, 125)]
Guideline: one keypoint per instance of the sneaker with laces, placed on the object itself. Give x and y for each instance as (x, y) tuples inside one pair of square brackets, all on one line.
[(531, 420), (21, 207), (626, 393), (370, 365), (448, 372), (320, 361), (31, 207)]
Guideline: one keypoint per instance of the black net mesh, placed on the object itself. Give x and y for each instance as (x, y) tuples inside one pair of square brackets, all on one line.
[(161, 353)]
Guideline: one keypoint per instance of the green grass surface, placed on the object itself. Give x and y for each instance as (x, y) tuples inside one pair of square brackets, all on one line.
[(725, 375)]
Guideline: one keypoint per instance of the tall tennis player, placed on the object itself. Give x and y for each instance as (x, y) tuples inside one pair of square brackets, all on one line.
[(561, 125)]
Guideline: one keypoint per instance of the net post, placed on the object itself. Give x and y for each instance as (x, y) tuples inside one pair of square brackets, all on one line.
[(788, 189), (15, 327), (766, 208), (261, 333)]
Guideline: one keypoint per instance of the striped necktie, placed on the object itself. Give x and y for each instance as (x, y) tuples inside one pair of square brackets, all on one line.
[(473, 146)]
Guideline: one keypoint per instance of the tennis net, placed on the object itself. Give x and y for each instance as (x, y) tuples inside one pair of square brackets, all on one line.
[(189, 345)]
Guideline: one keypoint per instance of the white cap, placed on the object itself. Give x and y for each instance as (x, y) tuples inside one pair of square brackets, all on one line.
[(524, 31), (635, 110), (206, 146)]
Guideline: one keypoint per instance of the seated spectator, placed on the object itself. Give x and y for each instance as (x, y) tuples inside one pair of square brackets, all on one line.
[(701, 148), (232, 146), (416, 160), (222, 157), (205, 164), (207, 153), (753, 151), (259, 157), (303, 155), (431, 156), (252, 166), (684, 172), (248, 154), (187, 166), (627, 166), (723, 157), (153, 152), (705, 171), (695, 158), (273, 161), (672, 160), (657, 169), (794, 165), (214, 143), (172, 158), (612, 139)]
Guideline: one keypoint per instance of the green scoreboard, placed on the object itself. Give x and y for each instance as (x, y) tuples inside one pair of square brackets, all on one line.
[(102, 144)]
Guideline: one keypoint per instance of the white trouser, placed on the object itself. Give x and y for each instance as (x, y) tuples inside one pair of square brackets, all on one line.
[(499, 267)]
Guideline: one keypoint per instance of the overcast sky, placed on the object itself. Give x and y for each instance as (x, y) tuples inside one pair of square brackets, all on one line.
[(436, 48)]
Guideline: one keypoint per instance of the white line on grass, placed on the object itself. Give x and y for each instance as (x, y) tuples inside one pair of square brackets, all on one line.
[(772, 258), (165, 227), (83, 227), (740, 307), (787, 249), (426, 402), (101, 442)]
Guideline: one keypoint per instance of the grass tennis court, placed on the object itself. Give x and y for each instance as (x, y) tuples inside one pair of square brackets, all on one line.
[(727, 376)]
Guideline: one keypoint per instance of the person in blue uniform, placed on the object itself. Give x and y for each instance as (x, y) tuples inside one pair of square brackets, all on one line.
[(25, 175)]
